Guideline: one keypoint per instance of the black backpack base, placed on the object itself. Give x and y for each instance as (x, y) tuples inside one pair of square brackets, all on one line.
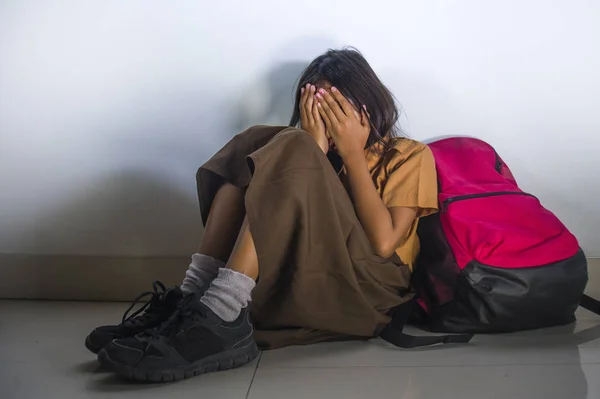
[(495, 300)]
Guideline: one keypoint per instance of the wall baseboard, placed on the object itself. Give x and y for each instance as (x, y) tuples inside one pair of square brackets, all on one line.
[(108, 278)]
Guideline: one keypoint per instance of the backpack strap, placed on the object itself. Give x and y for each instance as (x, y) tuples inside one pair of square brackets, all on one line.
[(589, 303), (393, 333)]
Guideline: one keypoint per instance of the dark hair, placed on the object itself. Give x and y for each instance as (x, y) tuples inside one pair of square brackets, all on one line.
[(351, 74)]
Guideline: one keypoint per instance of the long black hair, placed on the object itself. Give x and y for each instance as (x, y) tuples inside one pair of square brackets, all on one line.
[(351, 74)]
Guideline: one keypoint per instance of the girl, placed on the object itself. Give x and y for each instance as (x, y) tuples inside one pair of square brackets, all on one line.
[(322, 245)]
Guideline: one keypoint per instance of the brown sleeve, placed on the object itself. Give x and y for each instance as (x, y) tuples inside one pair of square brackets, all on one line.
[(412, 182)]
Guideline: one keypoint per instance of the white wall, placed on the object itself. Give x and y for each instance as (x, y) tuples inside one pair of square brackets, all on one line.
[(108, 107)]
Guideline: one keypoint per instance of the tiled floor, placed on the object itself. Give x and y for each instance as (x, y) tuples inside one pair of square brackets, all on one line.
[(42, 356)]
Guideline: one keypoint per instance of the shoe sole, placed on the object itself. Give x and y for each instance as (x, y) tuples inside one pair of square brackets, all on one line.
[(230, 359), (90, 346)]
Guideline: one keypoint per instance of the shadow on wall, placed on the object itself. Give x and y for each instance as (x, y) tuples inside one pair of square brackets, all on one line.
[(146, 204), (127, 213), (270, 100), (141, 199)]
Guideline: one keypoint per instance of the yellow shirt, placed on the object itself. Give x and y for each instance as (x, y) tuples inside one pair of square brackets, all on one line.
[(406, 176)]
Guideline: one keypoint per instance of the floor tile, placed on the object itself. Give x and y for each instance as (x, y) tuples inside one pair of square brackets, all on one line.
[(586, 332), (42, 356), (584, 314), (491, 382), (232, 384), (38, 330), (33, 379), (66, 380), (571, 344), (482, 351)]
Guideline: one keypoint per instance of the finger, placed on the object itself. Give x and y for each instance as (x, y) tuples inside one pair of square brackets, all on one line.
[(303, 90), (301, 104), (344, 103), (324, 115), (310, 100), (307, 95), (315, 112), (301, 107), (332, 105), (356, 112), (325, 111), (303, 121), (305, 115)]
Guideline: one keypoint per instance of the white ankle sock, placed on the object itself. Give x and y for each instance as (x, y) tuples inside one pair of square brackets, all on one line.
[(200, 273), (228, 294)]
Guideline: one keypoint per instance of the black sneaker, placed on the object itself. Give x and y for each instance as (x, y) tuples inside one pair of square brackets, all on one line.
[(192, 342), (158, 309)]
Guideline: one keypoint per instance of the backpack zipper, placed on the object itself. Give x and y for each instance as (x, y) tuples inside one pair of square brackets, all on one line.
[(482, 195)]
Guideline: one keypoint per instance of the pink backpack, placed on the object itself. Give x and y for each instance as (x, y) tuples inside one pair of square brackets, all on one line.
[(493, 259)]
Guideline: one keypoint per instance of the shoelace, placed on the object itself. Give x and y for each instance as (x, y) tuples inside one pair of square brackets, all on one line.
[(184, 313), (158, 293)]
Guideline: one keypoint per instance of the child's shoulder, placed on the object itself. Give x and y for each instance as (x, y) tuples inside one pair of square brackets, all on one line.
[(404, 145), (402, 149), (398, 151)]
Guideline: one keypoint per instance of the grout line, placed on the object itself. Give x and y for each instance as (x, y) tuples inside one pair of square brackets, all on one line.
[(560, 364), (254, 375)]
